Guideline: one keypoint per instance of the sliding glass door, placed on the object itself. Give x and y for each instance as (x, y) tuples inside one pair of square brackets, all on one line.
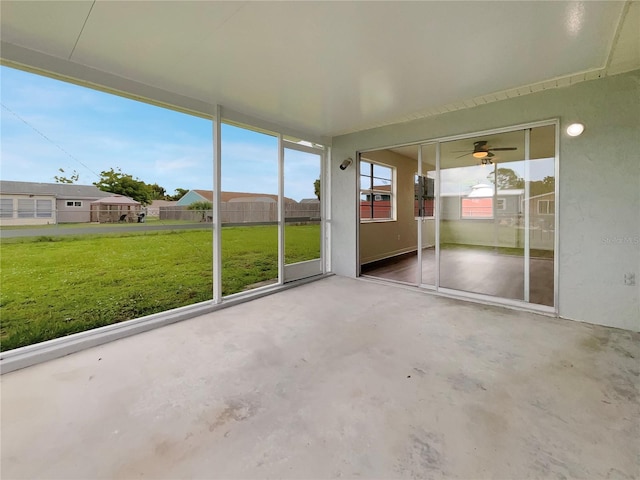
[(497, 226), (484, 215), (481, 225)]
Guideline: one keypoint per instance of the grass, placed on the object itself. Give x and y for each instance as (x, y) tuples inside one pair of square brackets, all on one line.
[(55, 286)]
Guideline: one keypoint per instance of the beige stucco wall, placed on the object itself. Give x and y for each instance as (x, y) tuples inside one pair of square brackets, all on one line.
[(599, 201)]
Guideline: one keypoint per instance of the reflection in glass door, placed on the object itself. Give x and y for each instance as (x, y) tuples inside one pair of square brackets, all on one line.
[(540, 207), (425, 214), (497, 222), (302, 213), (390, 214), (481, 235), (483, 213)]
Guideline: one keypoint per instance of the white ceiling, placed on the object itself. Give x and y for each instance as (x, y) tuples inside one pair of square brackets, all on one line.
[(323, 68)]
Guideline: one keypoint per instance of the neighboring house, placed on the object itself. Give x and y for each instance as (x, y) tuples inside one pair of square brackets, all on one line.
[(32, 203), (193, 196), (478, 203), (153, 210), (116, 208)]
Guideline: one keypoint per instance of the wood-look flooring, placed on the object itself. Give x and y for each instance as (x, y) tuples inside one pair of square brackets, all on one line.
[(477, 271)]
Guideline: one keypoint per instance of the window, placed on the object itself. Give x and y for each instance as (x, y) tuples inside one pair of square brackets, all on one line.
[(43, 209), (477, 207), (376, 192), (546, 207), (501, 204), (6, 208), (424, 196), (26, 208), (74, 204)]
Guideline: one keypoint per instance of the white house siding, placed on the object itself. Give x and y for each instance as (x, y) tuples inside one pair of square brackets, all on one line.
[(26, 209)]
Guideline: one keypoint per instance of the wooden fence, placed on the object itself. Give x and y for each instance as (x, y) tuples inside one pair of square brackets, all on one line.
[(245, 212)]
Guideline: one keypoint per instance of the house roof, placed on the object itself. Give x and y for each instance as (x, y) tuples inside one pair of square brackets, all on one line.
[(58, 190), (229, 196), (162, 203), (116, 200), (470, 53)]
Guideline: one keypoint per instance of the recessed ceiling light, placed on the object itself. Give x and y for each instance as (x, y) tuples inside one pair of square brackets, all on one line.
[(575, 129)]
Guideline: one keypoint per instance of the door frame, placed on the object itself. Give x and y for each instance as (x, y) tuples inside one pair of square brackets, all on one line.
[(459, 293), (308, 268)]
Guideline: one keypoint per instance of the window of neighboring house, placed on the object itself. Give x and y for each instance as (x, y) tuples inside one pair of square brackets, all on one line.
[(477, 207), (74, 204), (44, 209), (546, 207), (26, 208), (501, 204), (6, 207), (377, 195)]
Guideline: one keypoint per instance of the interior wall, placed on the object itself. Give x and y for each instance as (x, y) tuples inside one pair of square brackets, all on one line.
[(599, 201), (380, 240)]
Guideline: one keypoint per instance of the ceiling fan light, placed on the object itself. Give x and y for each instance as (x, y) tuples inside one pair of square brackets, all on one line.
[(575, 129), (480, 154)]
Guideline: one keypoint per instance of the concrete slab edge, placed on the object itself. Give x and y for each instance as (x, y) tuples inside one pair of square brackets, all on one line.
[(29, 355)]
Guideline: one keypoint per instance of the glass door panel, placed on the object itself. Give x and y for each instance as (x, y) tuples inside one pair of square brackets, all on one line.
[(388, 214), (542, 214), (426, 215), (302, 214), (481, 201)]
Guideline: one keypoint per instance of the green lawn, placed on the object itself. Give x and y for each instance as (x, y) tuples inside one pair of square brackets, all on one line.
[(55, 286)]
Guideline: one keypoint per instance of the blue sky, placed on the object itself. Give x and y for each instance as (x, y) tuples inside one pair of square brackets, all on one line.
[(91, 131)]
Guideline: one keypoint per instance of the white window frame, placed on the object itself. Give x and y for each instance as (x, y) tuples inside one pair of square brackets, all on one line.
[(548, 210), (73, 203), (501, 203), (373, 192)]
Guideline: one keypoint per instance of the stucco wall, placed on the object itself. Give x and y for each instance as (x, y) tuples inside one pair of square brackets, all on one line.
[(599, 203)]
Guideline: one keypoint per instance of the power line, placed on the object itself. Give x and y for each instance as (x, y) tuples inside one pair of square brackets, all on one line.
[(48, 139)]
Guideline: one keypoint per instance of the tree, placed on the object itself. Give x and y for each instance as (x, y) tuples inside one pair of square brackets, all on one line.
[(540, 187), (157, 192), (113, 181), (74, 177), (507, 179), (202, 207), (180, 192), (316, 188)]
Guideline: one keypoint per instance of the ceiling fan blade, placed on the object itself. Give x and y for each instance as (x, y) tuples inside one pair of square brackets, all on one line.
[(503, 148), (464, 155)]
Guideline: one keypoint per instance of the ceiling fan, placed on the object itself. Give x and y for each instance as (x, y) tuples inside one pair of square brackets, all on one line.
[(485, 152)]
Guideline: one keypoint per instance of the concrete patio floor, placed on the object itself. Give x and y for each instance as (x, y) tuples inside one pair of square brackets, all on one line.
[(336, 378)]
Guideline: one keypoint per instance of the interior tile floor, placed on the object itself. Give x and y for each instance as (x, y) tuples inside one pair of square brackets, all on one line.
[(477, 271), (336, 378)]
